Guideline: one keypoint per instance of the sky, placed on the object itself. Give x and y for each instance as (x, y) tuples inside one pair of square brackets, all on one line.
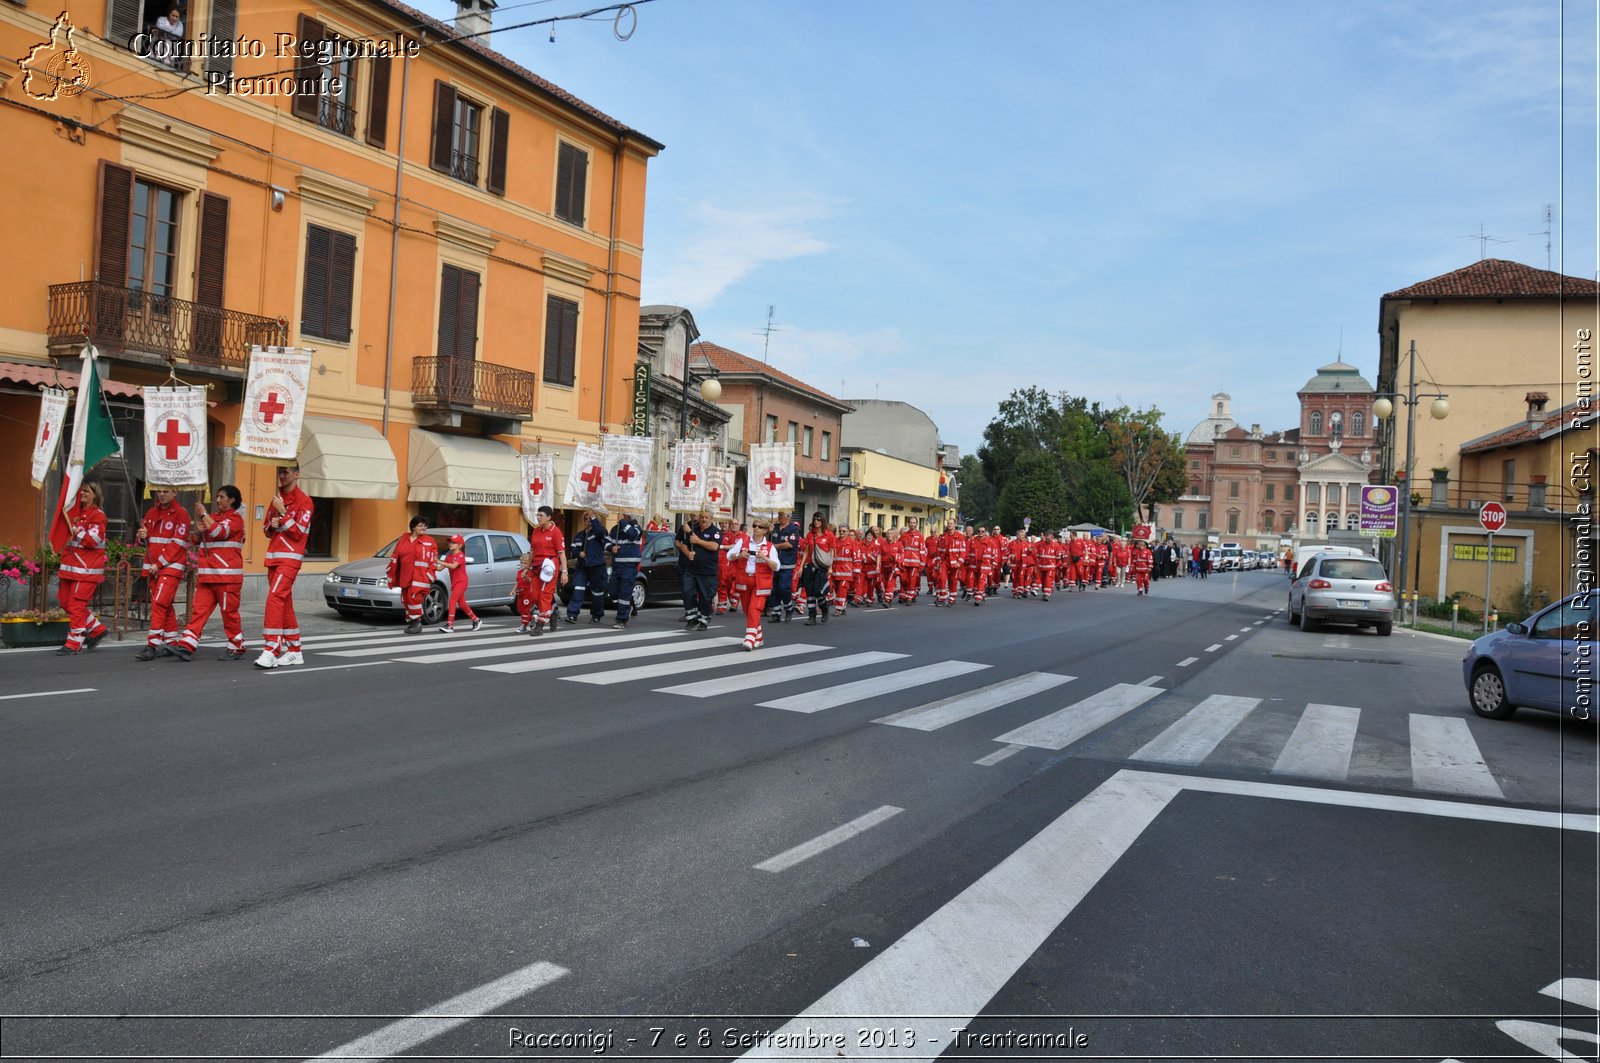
[(1137, 204)]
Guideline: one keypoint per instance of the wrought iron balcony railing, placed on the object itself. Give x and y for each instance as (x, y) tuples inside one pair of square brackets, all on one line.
[(468, 384), (154, 328)]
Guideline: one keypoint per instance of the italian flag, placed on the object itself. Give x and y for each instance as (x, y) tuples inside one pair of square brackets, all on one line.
[(93, 441)]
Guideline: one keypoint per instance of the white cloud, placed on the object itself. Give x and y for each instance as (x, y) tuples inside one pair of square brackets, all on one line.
[(713, 247)]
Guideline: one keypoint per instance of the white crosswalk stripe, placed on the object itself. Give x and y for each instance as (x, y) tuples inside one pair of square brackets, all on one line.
[(404, 646), (1445, 758), (1064, 727), (772, 676), (1322, 743), (861, 689), (698, 664), (521, 644), (1193, 738), (941, 713), (603, 656)]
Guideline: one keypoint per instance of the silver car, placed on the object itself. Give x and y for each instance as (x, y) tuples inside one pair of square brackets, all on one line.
[(1344, 588), (359, 588)]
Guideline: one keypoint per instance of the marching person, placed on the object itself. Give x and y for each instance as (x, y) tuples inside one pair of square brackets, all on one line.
[(547, 550), (287, 524), (867, 569), (726, 574), (411, 569), (955, 562), (755, 559), (1017, 550), (1120, 557), (164, 533), (219, 553), (83, 568), (1140, 561), (590, 545), (705, 544), (984, 554), (843, 574), (1049, 559), (786, 534), (816, 560), (888, 567), (912, 560), (525, 592), (933, 544), (627, 551), (455, 559)]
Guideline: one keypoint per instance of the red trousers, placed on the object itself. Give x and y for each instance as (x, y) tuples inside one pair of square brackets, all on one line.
[(164, 624), (280, 628), (412, 598), (544, 596), (209, 596), (752, 598), (842, 583), (1047, 578), (727, 580), (910, 581), (458, 600), (74, 596), (1141, 580)]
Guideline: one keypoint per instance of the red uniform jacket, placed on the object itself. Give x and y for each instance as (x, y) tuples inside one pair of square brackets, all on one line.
[(287, 531), (84, 556), (413, 562), (219, 553), (166, 539)]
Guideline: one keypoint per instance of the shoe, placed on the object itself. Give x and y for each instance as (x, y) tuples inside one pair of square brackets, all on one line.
[(811, 621), (67, 651), (94, 640), (448, 629), (703, 625), (413, 627), (149, 653), (749, 645), (476, 623), (232, 655), (288, 660), (182, 653), (572, 618), (267, 660), (884, 604), (824, 617), (538, 629), (618, 625), (593, 619), (523, 630)]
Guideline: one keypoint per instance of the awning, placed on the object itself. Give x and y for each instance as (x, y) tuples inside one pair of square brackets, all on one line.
[(463, 471), (23, 373), (900, 496), (346, 459)]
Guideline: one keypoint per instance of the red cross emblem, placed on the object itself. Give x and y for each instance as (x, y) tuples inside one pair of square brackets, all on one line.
[(46, 437), (171, 438), (626, 473), (772, 480), (592, 478), (715, 494), (271, 407), (689, 478), (537, 487)]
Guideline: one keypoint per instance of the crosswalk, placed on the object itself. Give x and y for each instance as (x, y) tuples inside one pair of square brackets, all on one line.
[(1436, 754)]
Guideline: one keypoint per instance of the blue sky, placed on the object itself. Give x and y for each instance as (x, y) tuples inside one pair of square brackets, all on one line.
[(1134, 203)]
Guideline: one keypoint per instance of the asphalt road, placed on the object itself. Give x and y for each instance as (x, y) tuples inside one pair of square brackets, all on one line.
[(1100, 827)]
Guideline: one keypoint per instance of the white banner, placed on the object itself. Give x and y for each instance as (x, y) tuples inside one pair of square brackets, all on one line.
[(52, 414), (719, 491), (538, 484), (686, 482), (274, 404), (627, 486), (771, 477), (586, 479), (175, 444)]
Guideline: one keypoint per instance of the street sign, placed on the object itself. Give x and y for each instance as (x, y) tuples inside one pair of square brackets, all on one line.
[(1380, 510), (1492, 516)]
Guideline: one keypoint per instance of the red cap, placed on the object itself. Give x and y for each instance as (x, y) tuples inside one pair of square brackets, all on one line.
[(458, 539)]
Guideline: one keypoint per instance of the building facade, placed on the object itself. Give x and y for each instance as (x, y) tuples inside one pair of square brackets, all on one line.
[(672, 400), (897, 465)]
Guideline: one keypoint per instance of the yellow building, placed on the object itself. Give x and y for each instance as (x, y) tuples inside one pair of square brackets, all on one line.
[(459, 241), (890, 492)]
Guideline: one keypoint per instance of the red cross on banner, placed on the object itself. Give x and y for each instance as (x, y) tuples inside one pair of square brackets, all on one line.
[(714, 495), (271, 407), (689, 478), (537, 486), (173, 437), (772, 480), (592, 479), (46, 432), (626, 473)]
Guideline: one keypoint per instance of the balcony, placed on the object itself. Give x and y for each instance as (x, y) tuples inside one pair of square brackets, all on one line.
[(134, 326), (449, 387)]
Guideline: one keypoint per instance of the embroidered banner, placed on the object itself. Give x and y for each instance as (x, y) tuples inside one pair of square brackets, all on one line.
[(686, 483), (538, 484), (47, 438), (175, 446), (627, 486), (586, 479), (719, 491), (771, 477), (274, 404)]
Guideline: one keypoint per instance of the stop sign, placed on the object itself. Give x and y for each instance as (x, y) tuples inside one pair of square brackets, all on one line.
[(1492, 516)]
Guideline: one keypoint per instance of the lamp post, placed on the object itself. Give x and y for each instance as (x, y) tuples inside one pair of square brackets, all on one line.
[(1383, 409)]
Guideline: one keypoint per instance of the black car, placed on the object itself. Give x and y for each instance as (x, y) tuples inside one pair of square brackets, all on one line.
[(658, 579)]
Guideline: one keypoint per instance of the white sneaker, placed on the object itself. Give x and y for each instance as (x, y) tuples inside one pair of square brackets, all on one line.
[(477, 623), (267, 660), (523, 630), (448, 629), (293, 657)]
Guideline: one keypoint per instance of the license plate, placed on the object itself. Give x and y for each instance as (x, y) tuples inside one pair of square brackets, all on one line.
[(350, 592), (1344, 604)]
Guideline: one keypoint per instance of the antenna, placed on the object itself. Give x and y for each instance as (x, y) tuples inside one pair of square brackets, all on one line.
[(1341, 343), (767, 332), (1484, 240), (1546, 233)]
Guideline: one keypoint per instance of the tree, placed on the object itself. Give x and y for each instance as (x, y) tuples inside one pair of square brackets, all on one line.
[(979, 499), (1150, 461), (1034, 489), (1027, 422)]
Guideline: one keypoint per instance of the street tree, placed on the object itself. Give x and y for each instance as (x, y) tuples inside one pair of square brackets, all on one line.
[(1150, 461), (1034, 489)]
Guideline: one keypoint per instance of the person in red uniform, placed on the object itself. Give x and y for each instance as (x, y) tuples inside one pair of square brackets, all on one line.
[(888, 566), (525, 592), (755, 561), (842, 576), (411, 569), (867, 572), (83, 568), (913, 559), (1140, 562), (287, 524), (815, 560), (934, 570), (219, 574), (983, 554), (164, 533), (1049, 559), (548, 548), (456, 561), (1121, 555), (1017, 554), (955, 562), (727, 573)]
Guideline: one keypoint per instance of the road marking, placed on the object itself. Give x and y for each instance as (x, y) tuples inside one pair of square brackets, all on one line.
[(1214, 647), (399, 636), (1245, 630), (771, 676), (698, 664), (546, 664), (400, 1037), (302, 670), (861, 689), (1444, 757), (398, 648), (941, 713), (1584, 992), (1187, 661), (1258, 623), (1064, 727), (1322, 743), (998, 755), (526, 644), (47, 693), (1150, 680), (823, 842), (1199, 731), (1230, 638)]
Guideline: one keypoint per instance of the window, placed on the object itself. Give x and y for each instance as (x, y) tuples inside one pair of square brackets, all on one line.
[(1316, 422), (1233, 452), (1358, 424), (1352, 521), (153, 239), (772, 428), (560, 341), (1195, 464), (319, 537), (476, 549), (1200, 521), (329, 284), (1272, 455), (1288, 492), (1311, 521), (1177, 519), (572, 176), (1272, 490), (1233, 522), (1334, 494), (458, 314), (1233, 488), (458, 138), (1336, 424), (325, 72), (1268, 519), (827, 446), (1313, 493), (1508, 477), (794, 432), (1331, 521), (805, 444), (1194, 488), (1571, 621), (1219, 409), (505, 548)]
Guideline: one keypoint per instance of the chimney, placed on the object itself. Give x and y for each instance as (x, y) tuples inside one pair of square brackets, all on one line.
[(1536, 413), (474, 17), (1255, 431)]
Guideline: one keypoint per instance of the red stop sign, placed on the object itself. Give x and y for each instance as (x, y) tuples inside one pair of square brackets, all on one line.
[(1492, 516)]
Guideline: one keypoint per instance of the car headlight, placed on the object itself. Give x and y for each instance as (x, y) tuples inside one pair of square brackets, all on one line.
[(330, 578)]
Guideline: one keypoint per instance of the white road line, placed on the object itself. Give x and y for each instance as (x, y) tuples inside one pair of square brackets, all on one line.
[(1199, 731), (606, 656), (937, 714), (1214, 647), (300, 670), (998, 755), (416, 643), (1187, 661), (1258, 623), (523, 644), (698, 664), (1322, 743), (1064, 727), (1245, 630), (400, 1037), (862, 689), (1582, 992), (1230, 638), (1444, 757), (771, 676), (1150, 680), (331, 642), (47, 693), (823, 842)]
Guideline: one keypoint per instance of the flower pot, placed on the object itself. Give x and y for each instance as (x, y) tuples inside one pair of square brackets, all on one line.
[(20, 633)]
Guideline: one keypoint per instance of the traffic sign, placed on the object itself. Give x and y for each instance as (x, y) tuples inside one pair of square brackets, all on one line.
[(1492, 516)]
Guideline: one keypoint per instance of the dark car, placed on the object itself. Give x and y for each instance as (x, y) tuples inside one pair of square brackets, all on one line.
[(1545, 662), (361, 587), (658, 579)]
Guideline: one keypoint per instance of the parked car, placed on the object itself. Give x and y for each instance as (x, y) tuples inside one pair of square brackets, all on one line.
[(359, 588), (1544, 662), (1226, 558), (658, 579), (1344, 587)]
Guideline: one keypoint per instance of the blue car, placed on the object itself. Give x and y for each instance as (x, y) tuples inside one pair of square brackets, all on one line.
[(1545, 662)]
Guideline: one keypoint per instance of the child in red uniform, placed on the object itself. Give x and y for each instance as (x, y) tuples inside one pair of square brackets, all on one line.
[(456, 561), (524, 593)]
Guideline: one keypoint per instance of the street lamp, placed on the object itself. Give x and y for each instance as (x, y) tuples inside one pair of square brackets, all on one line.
[(1383, 409)]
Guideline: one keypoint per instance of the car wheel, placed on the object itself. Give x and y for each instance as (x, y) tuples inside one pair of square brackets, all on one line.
[(1384, 628), (1488, 692), (1294, 617), (641, 594), (1306, 623), (433, 605)]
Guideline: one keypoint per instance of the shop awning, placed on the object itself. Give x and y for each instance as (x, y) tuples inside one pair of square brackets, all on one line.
[(346, 459), (900, 496), (463, 471)]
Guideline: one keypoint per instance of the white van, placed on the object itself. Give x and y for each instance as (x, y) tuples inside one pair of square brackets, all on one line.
[(1227, 557)]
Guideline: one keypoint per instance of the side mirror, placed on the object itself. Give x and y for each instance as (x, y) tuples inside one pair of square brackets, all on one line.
[(1517, 629)]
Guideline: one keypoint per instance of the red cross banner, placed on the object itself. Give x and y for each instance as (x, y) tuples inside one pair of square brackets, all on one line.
[(274, 404), (538, 484), (47, 438), (628, 458), (586, 480), (686, 482), (719, 491), (175, 444), (770, 477)]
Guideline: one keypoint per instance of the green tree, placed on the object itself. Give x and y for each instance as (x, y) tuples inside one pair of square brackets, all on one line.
[(979, 499), (1150, 461), (1034, 489), (1028, 421)]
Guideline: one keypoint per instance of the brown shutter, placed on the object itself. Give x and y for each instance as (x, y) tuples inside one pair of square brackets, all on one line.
[(341, 284), (552, 337), (449, 314), (314, 294), (306, 71), (444, 115), (572, 171), (211, 264), (124, 22), (378, 108), (569, 342), (499, 137), (116, 219), (467, 317), (224, 19)]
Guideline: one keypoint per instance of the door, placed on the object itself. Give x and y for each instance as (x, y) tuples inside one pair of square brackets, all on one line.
[(480, 572), (506, 556), (1544, 661)]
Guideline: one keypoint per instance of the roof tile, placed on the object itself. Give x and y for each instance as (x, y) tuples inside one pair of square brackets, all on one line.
[(726, 361), (1497, 278)]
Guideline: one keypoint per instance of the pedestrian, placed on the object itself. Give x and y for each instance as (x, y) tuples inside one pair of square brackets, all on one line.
[(867, 571), (1140, 561), (786, 534), (705, 545), (287, 524), (219, 574), (164, 534), (843, 574), (726, 598), (411, 569), (456, 561), (913, 559), (817, 551), (547, 548), (83, 568), (591, 546), (525, 591), (755, 557), (627, 550)]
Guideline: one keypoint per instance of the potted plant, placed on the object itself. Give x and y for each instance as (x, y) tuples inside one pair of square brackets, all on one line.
[(17, 570), (33, 627)]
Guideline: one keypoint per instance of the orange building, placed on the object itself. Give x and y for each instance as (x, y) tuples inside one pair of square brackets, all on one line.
[(458, 240)]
